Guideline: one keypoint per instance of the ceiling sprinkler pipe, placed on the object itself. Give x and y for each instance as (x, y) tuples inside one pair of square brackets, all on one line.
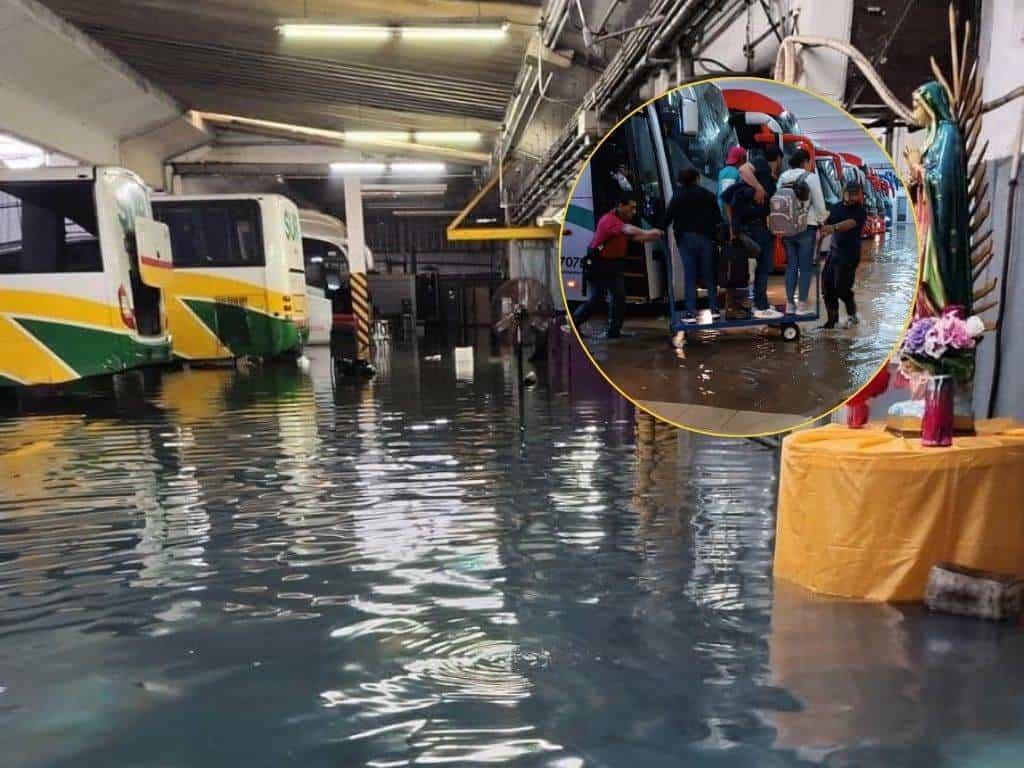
[(554, 23), (612, 5), (676, 19), (652, 44), (517, 108)]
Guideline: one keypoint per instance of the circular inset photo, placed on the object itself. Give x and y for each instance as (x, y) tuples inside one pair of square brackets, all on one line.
[(739, 257)]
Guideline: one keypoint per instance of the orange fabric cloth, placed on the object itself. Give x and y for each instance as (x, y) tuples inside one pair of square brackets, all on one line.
[(865, 514)]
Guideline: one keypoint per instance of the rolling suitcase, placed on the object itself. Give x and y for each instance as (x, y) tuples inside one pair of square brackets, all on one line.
[(733, 267)]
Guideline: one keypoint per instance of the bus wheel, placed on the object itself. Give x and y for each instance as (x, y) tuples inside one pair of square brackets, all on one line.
[(790, 332), (679, 339)]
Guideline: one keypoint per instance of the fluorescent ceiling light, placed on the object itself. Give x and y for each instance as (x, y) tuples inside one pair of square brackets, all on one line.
[(419, 212), (372, 136), (418, 167), (301, 31), (20, 155), (393, 195), (454, 33), (384, 187), (454, 137), (358, 168)]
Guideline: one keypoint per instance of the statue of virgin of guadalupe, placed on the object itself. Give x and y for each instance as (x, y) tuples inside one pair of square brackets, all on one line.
[(948, 172), (939, 171)]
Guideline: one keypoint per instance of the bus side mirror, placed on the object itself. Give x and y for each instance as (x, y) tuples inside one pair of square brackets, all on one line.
[(333, 282), (691, 117)]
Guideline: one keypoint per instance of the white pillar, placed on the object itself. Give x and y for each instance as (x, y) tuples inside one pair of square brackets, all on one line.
[(354, 224), (362, 306)]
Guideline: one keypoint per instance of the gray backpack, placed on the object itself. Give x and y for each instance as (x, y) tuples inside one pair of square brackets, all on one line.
[(787, 210)]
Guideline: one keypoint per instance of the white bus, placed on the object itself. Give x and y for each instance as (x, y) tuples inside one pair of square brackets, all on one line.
[(239, 287), (81, 267), (688, 127), (325, 249)]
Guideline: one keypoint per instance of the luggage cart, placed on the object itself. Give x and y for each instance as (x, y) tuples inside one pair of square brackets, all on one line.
[(787, 323)]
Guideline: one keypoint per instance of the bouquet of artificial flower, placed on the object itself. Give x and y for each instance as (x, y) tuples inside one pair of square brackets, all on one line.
[(942, 344)]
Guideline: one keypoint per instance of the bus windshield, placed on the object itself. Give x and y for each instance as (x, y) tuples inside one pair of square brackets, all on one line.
[(706, 150), (831, 187)]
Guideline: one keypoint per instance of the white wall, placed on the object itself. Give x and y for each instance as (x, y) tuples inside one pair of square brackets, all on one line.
[(825, 71), (1001, 49)]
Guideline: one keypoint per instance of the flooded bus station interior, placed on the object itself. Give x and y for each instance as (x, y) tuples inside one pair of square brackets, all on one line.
[(749, 380), (304, 463)]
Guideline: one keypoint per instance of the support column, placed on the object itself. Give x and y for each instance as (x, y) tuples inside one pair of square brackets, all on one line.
[(361, 307)]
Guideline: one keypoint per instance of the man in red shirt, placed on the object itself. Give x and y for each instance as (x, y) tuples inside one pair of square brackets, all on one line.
[(608, 249)]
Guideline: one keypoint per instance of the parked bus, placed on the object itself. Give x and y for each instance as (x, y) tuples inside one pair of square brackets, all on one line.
[(239, 287), (82, 263), (830, 173), (688, 127), (325, 248), (756, 116), (853, 170), (325, 251)]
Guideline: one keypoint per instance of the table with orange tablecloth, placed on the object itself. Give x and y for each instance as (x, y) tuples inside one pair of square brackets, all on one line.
[(865, 514)]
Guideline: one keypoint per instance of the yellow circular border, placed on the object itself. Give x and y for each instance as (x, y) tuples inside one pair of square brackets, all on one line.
[(561, 238)]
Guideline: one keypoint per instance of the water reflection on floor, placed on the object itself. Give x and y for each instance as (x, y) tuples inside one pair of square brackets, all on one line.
[(244, 569), (752, 370)]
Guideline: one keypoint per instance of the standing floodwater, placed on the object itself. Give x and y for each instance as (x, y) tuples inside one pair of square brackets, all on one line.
[(245, 569)]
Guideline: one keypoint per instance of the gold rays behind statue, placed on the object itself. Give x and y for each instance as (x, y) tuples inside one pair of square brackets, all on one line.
[(964, 90), (965, 97)]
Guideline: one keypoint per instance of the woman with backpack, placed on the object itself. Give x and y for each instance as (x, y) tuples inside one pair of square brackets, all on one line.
[(797, 220)]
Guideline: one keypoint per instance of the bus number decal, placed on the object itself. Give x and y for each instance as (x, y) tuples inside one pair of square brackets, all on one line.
[(236, 301)]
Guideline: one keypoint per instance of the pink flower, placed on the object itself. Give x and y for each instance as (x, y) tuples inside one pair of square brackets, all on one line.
[(935, 342), (950, 331), (958, 336)]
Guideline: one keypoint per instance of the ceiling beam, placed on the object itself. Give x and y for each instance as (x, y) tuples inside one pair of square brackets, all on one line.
[(359, 150), (74, 97)]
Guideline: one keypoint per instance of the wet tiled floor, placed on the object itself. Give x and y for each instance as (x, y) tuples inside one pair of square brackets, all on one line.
[(748, 380)]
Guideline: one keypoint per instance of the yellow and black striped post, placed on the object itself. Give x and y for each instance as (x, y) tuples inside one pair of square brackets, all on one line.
[(363, 314)]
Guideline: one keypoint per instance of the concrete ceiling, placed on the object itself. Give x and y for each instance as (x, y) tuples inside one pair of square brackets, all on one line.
[(226, 56), (829, 126)]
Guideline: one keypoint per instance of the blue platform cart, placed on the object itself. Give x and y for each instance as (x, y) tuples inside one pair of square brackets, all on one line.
[(787, 323)]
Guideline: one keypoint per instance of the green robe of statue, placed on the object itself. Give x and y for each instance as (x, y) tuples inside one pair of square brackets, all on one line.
[(944, 208)]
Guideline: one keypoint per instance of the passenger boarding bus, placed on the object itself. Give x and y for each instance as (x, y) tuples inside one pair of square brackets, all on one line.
[(688, 127), (82, 263), (239, 287)]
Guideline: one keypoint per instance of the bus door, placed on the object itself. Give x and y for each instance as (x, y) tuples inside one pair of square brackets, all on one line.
[(645, 275), (626, 163)]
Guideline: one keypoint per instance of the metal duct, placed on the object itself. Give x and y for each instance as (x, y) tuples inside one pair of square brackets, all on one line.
[(633, 62), (555, 17)]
